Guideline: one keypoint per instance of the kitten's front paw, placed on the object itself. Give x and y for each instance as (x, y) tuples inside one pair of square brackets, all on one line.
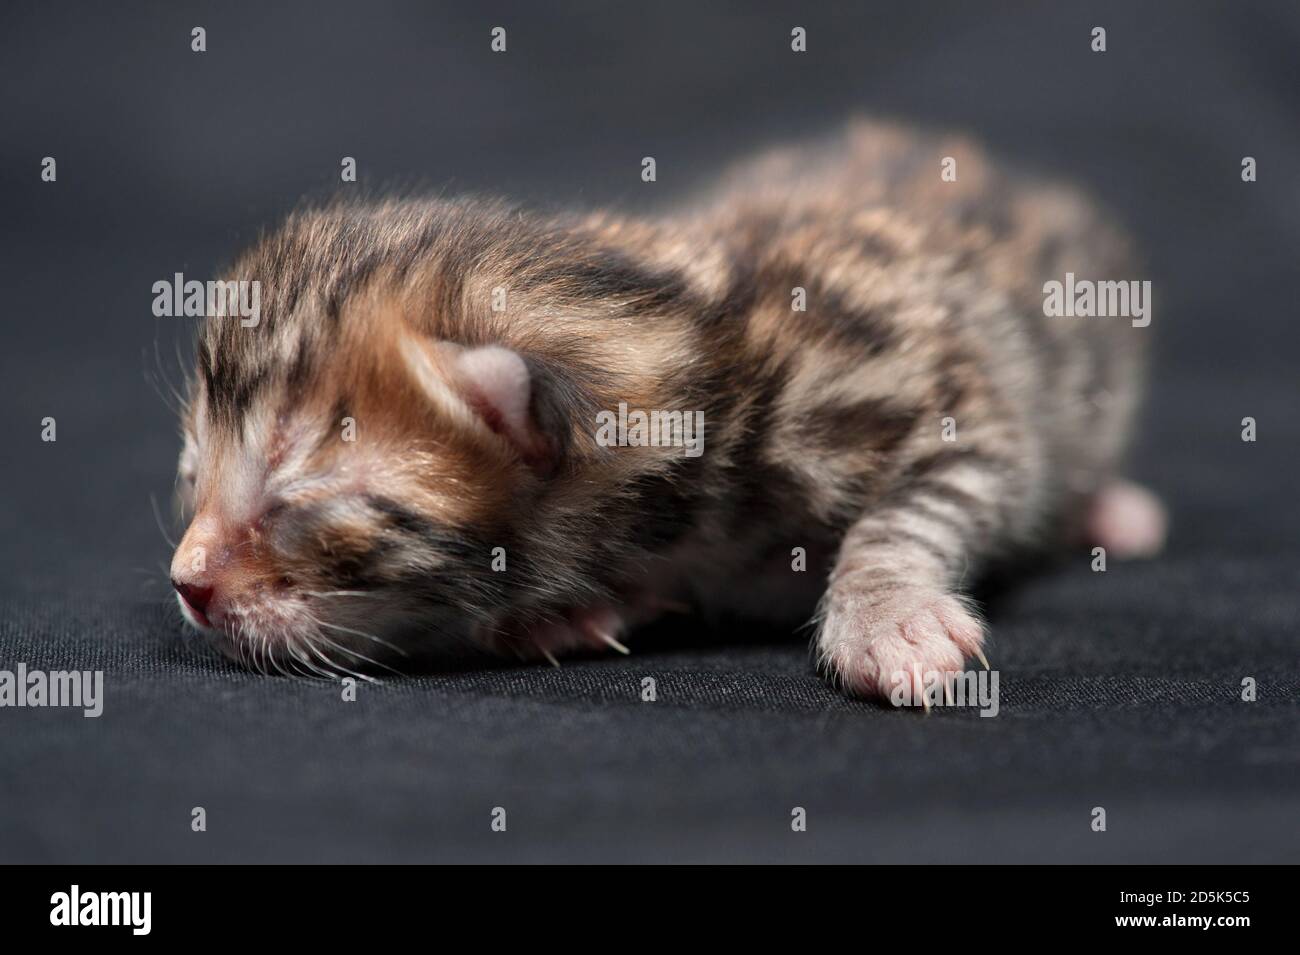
[(585, 629), (599, 627), (872, 643)]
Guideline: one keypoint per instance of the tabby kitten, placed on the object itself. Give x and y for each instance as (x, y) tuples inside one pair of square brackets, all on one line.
[(435, 431)]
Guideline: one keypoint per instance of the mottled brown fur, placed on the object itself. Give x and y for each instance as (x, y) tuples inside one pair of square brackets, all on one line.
[(823, 427)]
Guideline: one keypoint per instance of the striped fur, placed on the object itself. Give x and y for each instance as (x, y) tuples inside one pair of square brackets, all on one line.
[(823, 427)]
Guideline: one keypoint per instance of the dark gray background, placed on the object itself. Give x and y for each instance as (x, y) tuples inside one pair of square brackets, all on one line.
[(1118, 690)]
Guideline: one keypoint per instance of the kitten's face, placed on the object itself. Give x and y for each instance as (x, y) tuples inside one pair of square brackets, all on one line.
[(334, 520), (357, 460)]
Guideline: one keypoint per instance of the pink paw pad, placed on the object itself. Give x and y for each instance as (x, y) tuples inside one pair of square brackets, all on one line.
[(874, 646), (1128, 520)]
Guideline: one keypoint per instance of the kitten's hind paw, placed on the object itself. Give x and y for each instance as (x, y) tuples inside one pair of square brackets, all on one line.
[(1128, 520)]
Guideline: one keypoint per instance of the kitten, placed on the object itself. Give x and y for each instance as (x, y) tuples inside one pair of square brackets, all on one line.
[(412, 447)]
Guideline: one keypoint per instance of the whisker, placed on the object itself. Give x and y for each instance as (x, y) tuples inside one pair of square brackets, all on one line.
[(355, 653), (284, 666), (361, 656), (312, 669), (167, 379), (334, 664), (360, 633), (157, 516)]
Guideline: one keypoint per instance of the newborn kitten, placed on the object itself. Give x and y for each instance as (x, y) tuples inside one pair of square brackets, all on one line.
[(408, 448)]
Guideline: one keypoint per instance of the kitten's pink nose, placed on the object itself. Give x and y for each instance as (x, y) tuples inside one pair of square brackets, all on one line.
[(194, 595)]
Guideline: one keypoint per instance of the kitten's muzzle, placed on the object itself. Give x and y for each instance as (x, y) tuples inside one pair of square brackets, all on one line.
[(196, 599)]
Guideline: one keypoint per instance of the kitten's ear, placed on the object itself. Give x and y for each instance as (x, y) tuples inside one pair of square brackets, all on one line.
[(501, 388), (505, 391)]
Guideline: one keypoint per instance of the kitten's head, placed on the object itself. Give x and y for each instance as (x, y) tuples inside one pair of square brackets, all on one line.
[(367, 467), (347, 475)]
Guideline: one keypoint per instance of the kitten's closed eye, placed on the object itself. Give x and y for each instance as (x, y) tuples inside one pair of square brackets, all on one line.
[(273, 513)]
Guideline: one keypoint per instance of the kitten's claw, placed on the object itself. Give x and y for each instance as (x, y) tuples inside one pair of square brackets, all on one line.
[(580, 629), (586, 629), (596, 630), (615, 644)]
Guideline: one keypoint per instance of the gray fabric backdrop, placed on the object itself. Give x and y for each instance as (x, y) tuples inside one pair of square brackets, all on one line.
[(1118, 690)]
